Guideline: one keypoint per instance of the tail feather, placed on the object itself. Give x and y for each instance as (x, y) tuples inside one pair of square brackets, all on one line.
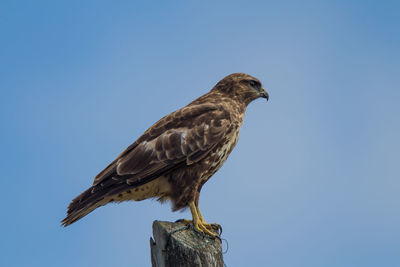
[(83, 205)]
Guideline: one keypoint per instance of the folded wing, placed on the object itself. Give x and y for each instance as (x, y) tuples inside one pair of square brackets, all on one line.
[(181, 138)]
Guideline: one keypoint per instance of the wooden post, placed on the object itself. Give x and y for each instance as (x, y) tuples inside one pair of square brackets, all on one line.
[(178, 244)]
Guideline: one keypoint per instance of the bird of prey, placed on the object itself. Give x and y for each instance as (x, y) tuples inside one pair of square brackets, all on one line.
[(175, 157)]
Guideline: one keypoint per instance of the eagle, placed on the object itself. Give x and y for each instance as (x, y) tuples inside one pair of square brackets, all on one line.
[(176, 156)]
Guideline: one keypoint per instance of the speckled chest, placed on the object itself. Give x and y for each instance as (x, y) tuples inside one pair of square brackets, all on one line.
[(221, 152)]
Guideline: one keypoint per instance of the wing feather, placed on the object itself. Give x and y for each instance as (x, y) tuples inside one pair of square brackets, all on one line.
[(183, 137)]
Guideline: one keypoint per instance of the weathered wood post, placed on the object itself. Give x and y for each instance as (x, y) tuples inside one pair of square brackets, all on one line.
[(178, 245)]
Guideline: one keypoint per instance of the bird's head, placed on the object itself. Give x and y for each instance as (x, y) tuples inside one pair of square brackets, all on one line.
[(241, 87)]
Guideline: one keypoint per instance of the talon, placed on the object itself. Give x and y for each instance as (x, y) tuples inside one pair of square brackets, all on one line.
[(202, 228), (217, 227), (200, 224), (213, 226)]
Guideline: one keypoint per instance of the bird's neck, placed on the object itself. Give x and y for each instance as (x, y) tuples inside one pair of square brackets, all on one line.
[(218, 98)]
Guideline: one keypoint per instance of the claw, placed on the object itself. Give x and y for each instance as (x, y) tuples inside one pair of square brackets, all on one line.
[(213, 226), (201, 225), (202, 228), (217, 228)]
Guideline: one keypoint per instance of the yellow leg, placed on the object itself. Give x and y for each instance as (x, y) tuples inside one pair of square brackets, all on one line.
[(214, 226), (198, 220), (201, 216)]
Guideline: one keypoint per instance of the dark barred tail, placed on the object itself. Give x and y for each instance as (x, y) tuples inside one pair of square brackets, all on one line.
[(83, 205)]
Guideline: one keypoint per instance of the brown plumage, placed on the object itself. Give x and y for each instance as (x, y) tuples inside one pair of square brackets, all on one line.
[(177, 155)]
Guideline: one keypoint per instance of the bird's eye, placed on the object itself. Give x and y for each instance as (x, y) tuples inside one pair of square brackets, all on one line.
[(256, 85)]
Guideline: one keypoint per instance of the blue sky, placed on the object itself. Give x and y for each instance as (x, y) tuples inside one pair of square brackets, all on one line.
[(313, 181)]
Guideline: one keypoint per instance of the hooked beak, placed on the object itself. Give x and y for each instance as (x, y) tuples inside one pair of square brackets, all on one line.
[(264, 94)]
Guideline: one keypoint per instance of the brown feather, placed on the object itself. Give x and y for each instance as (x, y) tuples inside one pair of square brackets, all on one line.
[(175, 156)]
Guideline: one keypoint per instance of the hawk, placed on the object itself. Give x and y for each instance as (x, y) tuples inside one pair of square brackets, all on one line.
[(175, 157)]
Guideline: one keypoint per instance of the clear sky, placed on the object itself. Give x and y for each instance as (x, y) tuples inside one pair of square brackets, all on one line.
[(313, 181)]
